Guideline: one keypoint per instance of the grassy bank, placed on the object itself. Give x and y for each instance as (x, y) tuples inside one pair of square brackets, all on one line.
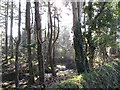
[(108, 76)]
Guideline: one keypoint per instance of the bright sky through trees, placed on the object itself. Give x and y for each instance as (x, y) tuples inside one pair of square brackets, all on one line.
[(66, 13)]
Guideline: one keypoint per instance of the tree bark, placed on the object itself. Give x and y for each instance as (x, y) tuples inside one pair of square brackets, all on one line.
[(31, 79), (6, 35), (54, 37), (80, 55), (39, 43), (118, 51), (50, 45), (91, 47), (17, 48), (11, 31)]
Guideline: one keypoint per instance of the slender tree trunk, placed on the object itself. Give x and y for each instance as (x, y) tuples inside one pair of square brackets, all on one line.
[(45, 47), (86, 45), (50, 43), (54, 38), (6, 35), (89, 38), (31, 79), (91, 49), (118, 51), (17, 49), (47, 64), (24, 40), (80, 55), (11, 31), (39, 43)]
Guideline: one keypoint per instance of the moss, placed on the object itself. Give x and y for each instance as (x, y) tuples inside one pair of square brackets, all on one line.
[(105, 77), (69, 84)]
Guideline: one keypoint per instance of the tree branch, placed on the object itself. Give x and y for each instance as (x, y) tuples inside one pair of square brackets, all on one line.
[(57, 34), (101, 10)]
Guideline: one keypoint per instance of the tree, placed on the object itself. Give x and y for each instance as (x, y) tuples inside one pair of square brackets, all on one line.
[(17, 48), (52, 38), (11, 31), (28, 28), (115, 30), (118, 51), (91, 22), (50, 42), (101, 31), (6, 31), (39, 43), (54, 35), (80, 55), (91, 47)]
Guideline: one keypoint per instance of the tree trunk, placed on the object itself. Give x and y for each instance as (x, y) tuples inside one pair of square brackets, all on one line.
[(80, 55), (31, 79), (91, 47), (11, 31), (54, 38), (17, 49), (113, 50), (118, 33), (39, 43), (6, 35), (50, 43)]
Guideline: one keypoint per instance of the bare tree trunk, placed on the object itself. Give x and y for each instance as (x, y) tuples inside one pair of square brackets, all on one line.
[(39, 43), (50, 43), (17, 49), (54, 38), (45, 48), (28, 28), (11, 31), (47, 64), (86, 45), (6, 35)]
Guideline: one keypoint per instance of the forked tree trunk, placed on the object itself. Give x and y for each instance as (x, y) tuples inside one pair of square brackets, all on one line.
[(50, 49), (39, 43), (17, 48)]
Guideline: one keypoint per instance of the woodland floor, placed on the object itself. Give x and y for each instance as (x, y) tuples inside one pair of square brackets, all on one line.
[(8, 76)]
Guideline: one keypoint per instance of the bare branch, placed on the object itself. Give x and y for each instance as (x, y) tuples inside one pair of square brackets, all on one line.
[(57, 34), (101, 10)]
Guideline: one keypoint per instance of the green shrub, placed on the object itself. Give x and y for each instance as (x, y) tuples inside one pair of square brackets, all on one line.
[(105, 77)]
